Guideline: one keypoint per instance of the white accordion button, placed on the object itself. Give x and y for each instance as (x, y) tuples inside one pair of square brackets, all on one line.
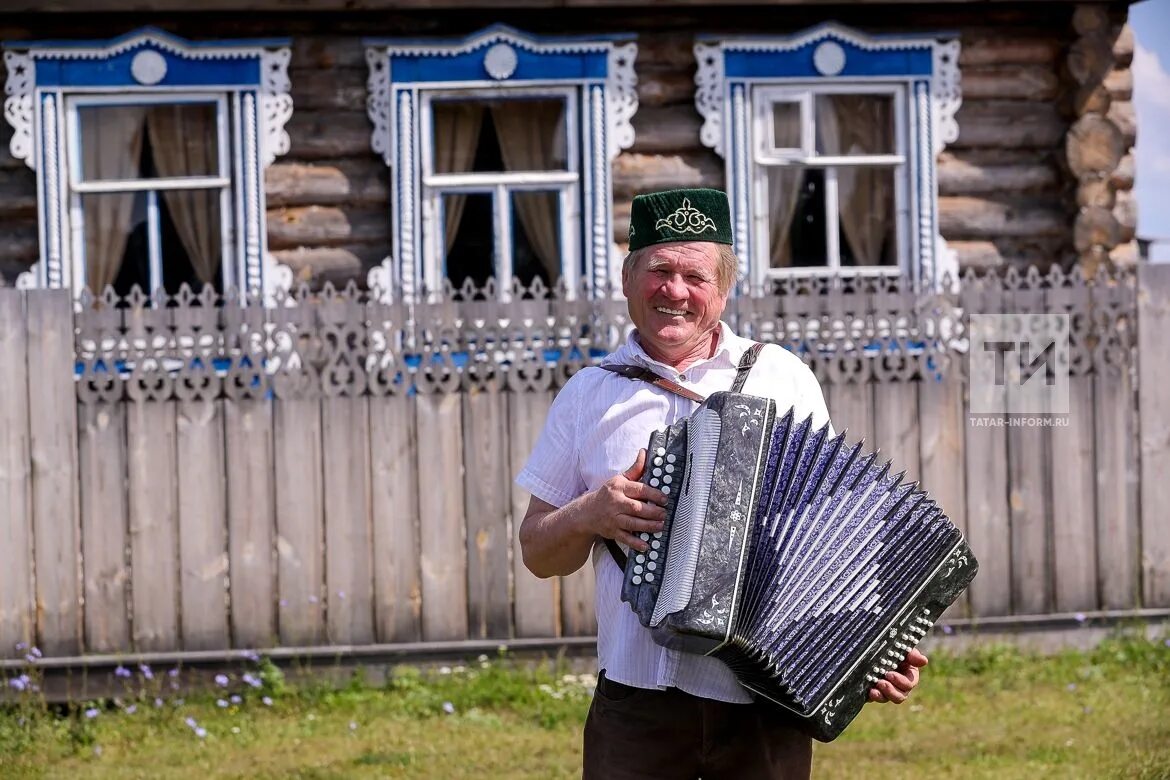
[(669, 469), (649, 578), (656, 472), (670, 458), (654, 482), (656, 544), (667, 479), (636, 580), (639, 558), (637, 569), (644, 537), (652, 566), (666, 491), (661, 451), (653, 555)]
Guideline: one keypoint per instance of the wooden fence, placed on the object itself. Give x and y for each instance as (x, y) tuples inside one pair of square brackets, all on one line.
[(336, 469)]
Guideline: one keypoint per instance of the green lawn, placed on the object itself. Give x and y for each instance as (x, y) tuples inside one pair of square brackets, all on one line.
[(990, 713)]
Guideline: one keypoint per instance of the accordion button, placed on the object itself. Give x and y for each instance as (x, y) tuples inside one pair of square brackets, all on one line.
[(660, 451), (656, 544), (652, 566), (636, 580), (670, 458), (649, 578), (654, 482), (667, 479), (645, 537), (653, 555), (669, 469), (657, 472), (637, 570), (640, 558), (666, 491)]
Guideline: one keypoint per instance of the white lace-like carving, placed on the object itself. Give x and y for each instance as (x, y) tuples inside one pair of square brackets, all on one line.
[(18, 104), (709, 94), (622, 96), (946, 92), (276, 103), (378, 106)]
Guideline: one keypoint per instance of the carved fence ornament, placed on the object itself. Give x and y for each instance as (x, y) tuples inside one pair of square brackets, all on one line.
[(354, 342)]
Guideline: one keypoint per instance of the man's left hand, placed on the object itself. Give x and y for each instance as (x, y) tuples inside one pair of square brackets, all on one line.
[(898, 683)]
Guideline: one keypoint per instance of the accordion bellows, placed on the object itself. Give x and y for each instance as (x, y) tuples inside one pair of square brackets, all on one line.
[(801, 561)]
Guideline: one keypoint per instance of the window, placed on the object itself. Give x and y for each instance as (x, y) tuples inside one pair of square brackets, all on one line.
[(150, 152), (831, 139), (507, 141)]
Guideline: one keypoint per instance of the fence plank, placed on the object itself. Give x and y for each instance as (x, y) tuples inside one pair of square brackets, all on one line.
[(203, 557), (17, 616), (988, 529), (348, 533), (851, 408), (895, 424), (394, 465), (1029, 487), (1117, 523), (52, 418), (940, 406), (251, 524), (441, 533), (104, 535), (487, 505), (535, 599), (1153, 379), (300, 521), (154, 524), (1074, 524)]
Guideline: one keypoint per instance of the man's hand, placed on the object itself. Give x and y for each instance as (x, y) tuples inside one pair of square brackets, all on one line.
[(898, 683), (623, 507)]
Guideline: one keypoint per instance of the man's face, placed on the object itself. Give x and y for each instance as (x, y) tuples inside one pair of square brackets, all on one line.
[(675, 300)]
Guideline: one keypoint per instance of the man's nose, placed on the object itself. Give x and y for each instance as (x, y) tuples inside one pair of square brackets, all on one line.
[(673, 286)]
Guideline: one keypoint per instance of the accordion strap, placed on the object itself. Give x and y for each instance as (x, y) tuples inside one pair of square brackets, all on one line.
[(646, 375)]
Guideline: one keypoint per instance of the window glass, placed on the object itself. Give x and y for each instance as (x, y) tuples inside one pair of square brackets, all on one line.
[(536, 240), (469, 237), (182, 138), (849, 125), (786, 125), (865, 196), (491, 136)]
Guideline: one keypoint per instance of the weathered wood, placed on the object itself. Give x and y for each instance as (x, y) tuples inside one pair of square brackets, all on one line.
[(394, 467), (988, 528), (971, 217), (1096, 193), (1090, 58), (895, 425), (1074, 531), (1125, 255), (673, 50), (251, 522), (102, 465), (1153, 379), (961, 173), (1009, 124), (1090, 18), (634, 173), (441, 531), (1096, 226), (487, 509), (52, 419), (1117, 521), (300, 521), (1119, 82), (325, 53), (1094, 146), (327, 135), (1121, 178), (203, 558), (1123, 47), (19, 245), (977, 254), (330, 264), (17, 616), (151, 461), (535, 599), (1029, 489), (18, 192), (342, 89), (941, 427), (349, 541), (1011, 82), (664, 87), (1125, 211), (1091, 98), (1123, 114), (851, 410), (666, 129), (993, 47), (341, 182), (327, 225)]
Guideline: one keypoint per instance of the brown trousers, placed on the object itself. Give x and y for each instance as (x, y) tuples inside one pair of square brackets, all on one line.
[(671, 735)]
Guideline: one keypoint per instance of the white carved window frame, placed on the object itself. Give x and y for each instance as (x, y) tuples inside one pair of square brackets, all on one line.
[(823, 59), (39, 115), (603, 103)]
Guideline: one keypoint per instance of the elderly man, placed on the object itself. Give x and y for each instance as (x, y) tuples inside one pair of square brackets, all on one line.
[(660, 713)]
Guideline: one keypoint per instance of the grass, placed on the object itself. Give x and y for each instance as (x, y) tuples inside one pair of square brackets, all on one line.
[(994, 712)]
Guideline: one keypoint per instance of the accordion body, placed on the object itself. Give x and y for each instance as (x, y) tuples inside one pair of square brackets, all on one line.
[(800, 561)]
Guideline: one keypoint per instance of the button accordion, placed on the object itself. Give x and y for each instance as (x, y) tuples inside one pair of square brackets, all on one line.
[(799, 560)]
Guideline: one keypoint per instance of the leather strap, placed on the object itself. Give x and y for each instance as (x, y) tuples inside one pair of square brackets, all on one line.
[(644, 374)]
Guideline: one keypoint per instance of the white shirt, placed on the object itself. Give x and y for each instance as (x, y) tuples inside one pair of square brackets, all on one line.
[(595, 427)]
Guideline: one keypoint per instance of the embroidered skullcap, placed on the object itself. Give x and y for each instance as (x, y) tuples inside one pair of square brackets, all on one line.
[(694, 214)]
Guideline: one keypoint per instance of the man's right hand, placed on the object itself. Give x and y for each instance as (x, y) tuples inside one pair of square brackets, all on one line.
[(623, 507)]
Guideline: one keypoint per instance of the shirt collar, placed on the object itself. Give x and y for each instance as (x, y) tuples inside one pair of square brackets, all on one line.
[(727, 353)]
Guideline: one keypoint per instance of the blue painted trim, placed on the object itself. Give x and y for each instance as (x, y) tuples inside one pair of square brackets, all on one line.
[(798, 63), (829, 29), (175, 40), (469, 66), (115, 71)]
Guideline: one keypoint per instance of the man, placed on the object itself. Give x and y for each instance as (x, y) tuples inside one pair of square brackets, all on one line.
[(660, 713)]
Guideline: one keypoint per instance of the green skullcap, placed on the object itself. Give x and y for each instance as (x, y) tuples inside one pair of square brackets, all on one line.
[(680, 215)]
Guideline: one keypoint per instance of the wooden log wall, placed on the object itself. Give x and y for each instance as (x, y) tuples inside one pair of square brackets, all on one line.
[(1046, 128)]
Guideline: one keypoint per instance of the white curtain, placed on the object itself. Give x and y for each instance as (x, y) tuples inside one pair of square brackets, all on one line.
[(111, 144), (532, 138), (184, 143), (457, 127), (856, 125)]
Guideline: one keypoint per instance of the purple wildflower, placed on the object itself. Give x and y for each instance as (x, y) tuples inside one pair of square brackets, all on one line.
[(252, 680), (191, 723), (252, 656), (18, 683), (221, 680), (236, 699), (221, 703), (947, 629), (20, 646), (448, 708), (201, 732), (32, 659), (145, 669), (173, 672), (92, 713), (1167, 643), (131, 709), (36, 651), (121, 671), (158, 702), (267, 701), (174, 685), (1079, 617)]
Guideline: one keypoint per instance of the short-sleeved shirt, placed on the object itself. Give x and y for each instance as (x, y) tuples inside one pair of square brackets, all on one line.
[(595, 427)]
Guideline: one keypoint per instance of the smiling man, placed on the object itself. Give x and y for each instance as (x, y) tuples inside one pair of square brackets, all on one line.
[(660, 713)]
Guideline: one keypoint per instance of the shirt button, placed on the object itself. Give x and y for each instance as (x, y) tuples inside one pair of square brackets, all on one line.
[(682, 377)]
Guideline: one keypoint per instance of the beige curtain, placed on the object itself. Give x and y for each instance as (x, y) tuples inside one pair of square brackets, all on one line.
[(783, 192), (854, 125), (532, 137), (111, 144), (457, 127), (183, 140)]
